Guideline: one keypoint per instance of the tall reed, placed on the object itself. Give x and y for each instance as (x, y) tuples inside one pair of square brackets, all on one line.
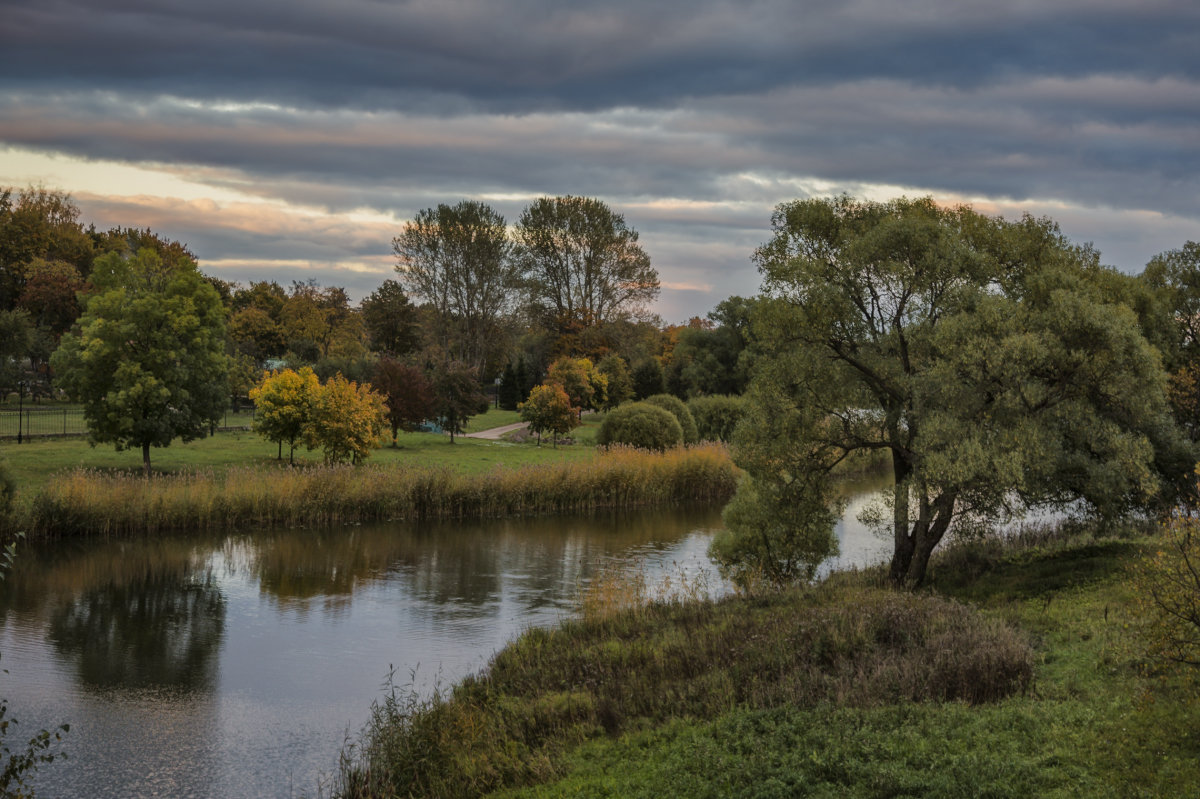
[(89, 502)]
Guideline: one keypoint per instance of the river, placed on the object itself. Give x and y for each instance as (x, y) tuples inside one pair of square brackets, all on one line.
[(236, 665)]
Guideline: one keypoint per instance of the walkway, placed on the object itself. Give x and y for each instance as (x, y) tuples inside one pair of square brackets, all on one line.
[(496, 433)]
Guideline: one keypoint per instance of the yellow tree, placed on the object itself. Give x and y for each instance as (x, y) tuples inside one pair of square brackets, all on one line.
[(347, 420), (548, 410), (581, 380), (284, 403)]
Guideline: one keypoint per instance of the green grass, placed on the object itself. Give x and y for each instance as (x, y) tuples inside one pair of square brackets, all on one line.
[(802, 694), (35, 461)]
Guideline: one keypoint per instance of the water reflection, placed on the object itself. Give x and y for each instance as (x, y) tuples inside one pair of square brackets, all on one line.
[(233, 665), (159, 630)]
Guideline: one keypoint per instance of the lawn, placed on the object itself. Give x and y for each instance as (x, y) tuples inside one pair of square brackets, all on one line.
[(37, 459)]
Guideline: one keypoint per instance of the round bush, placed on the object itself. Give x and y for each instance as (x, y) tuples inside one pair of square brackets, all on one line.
[(640, 424), (717, 416), (675, 406)]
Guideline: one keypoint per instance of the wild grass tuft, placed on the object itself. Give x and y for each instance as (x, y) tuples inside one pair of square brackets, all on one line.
[(89, 502), (551, 690)]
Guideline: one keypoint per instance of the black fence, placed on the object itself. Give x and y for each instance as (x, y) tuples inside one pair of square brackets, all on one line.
[(18, 425)]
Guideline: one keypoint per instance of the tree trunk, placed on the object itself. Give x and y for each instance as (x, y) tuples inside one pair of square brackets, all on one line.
[(146, 459), (902, 550)]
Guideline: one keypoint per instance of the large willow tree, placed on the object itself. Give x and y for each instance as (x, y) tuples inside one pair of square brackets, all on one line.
[(983, 358)]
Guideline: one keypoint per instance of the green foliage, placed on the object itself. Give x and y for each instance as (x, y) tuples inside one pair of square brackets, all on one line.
[(147, 358), (647, 379), (456, 259), (640, 424), (586, 385), (584, 265), (675, 406), (988, 358), (548, 410), (708, 359), (619, 386), (284, 406), (1168, 582), (716, 416), (391, 320), (456, 396), (510, 391)]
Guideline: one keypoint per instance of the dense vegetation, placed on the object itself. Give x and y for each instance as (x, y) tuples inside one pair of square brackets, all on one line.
[(1022, 675)]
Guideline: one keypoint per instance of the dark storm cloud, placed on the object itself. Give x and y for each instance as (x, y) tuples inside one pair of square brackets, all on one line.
[(693, 118), (520, 56)]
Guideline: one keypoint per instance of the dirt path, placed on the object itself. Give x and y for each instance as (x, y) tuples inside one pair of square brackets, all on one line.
[(496, 432)]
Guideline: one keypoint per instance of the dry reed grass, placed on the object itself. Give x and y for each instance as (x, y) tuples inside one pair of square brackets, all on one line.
[(89, 502)]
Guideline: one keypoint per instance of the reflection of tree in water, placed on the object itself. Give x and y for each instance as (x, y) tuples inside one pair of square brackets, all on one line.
[(162, 629), (463, 564)]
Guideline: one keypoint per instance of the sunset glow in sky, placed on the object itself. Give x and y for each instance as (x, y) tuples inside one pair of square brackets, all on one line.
[(292, 140)]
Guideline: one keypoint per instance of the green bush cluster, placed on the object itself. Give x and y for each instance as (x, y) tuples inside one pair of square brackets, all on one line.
[(677, 409), (716, 416), (640, 424)]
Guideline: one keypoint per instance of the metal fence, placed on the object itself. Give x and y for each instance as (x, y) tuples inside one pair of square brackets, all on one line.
[(35, 422)]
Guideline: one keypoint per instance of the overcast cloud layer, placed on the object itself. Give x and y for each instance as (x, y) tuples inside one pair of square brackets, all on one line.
[(304, 133)]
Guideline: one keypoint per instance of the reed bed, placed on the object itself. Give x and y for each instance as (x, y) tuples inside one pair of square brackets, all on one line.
[(92, 503)]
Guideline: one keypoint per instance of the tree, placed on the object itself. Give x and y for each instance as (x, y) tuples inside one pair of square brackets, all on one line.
[(456, 258), (318, 322), (147, 357), (619, 380), (708, 358), (585, 385), (284, 404), (256, 334), (1174, 279), (548, 410), (508, 394), (407, 394), (347, 419), (980, 355), (647, 379), (38, 224), (456, 396), (585, 265), (391, 320)]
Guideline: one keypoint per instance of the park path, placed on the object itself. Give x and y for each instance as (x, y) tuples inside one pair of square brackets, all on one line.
[(495, 433)]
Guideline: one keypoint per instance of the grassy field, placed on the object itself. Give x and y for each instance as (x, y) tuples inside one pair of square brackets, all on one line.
[(1018, 674), (33, 462)]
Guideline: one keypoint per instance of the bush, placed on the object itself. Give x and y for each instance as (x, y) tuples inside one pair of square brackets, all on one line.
[(1168, 582), (640, 424), (675, 406), (716, 416)]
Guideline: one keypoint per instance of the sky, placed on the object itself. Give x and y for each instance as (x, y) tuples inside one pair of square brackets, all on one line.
[(292, 139)]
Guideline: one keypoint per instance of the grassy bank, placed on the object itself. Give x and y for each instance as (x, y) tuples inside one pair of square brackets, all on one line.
[(1019, 674), (90, 502)]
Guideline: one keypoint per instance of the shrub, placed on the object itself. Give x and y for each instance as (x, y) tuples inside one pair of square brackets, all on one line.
[(676, 407), (8, 488), (716, 416), (640, 424), (1168, 581)]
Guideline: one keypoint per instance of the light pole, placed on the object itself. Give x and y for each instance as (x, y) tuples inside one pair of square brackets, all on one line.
[(20, 410)]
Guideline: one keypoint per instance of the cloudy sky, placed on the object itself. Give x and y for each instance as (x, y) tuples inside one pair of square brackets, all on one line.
[(291, 139)]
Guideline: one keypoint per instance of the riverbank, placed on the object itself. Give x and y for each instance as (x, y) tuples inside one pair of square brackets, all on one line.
[(1019, 674), (93, 503)]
